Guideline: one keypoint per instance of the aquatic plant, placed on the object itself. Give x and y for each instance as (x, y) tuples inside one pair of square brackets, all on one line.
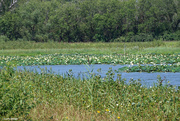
[(64, 59), (152, 68)]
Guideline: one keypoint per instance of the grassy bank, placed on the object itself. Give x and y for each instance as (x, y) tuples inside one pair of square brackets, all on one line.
[(31, 48), (30, 96)]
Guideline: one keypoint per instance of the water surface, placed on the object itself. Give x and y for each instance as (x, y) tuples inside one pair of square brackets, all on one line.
[(147, 79)]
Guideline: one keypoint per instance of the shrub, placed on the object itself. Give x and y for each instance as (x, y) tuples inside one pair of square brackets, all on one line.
[(141, 37), (167, 36), (3, 38)]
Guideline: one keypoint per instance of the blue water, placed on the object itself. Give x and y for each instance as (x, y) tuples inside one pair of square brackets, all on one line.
[(147, 79)]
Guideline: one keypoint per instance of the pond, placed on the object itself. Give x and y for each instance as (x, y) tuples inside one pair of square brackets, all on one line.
[(147, 79)]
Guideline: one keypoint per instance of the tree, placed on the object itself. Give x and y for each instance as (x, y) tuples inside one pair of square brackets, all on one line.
[(6, 5)]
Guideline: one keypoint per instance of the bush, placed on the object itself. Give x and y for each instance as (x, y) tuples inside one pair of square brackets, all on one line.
[(3, 38), (167, 36), (141, 37), (119, 39)]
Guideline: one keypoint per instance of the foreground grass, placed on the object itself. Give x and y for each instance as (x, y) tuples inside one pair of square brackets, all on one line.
[(31, 48), (31, 96)]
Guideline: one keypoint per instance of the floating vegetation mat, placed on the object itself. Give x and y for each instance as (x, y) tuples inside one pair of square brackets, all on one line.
[(72, 59), (152, 68)]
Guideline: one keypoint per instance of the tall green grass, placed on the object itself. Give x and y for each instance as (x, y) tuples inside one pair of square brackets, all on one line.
[(32, 96), (32, 48)]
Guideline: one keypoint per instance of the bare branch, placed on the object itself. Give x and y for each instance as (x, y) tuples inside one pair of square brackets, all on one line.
[(12, 4)]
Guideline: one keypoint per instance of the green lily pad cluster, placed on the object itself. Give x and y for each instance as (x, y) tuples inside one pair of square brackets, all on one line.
[(152, 68), (72, 59)]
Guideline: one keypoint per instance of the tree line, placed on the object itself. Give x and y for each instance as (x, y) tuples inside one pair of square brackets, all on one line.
[(91, 20)]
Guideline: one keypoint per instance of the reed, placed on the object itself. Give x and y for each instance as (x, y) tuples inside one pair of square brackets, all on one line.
[(31, 96)]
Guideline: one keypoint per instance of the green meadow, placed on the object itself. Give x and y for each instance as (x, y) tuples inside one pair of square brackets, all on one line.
[(30, 48), (30, 96)]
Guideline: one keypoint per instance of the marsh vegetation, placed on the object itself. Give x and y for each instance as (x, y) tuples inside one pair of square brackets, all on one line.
[(63, 32), (46, 96)]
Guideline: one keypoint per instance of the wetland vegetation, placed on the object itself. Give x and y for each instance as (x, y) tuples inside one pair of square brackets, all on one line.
[(33, 96), (63, 32)]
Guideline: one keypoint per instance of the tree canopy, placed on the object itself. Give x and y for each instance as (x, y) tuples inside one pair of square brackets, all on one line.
[(91, 20)]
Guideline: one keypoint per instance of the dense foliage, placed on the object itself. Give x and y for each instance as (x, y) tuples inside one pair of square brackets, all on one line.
[(5, 5), (92, 20)]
